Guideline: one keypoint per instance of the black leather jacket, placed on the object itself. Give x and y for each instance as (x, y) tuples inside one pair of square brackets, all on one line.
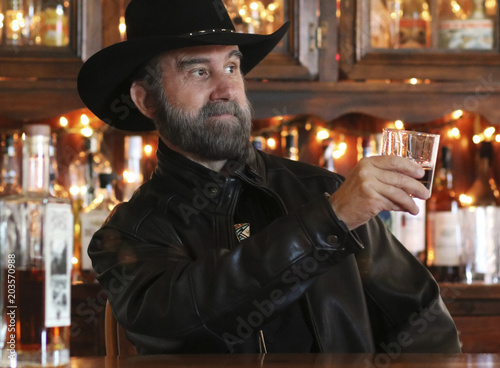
[(179, 281)]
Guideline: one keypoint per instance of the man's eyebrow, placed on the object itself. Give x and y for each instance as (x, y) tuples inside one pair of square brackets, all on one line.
[(186, 63), (236, 53)]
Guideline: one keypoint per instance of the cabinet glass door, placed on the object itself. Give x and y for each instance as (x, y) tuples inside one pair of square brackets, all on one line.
[(426, 39), (34, 27), (430, 24), (297, 55)]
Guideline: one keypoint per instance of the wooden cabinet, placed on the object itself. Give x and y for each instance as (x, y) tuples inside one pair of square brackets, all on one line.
[(39, 82), (476, 312)]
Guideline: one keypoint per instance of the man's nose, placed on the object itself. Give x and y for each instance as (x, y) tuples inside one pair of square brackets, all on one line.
[(223, 88)]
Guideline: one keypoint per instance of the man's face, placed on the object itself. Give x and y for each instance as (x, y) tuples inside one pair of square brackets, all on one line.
[(204, 110)]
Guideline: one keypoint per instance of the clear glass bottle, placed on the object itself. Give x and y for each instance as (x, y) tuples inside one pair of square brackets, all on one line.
[(290, 142), (10, 167), (84, 170), (444, 232), (55, 187), (91, 219), (481, 222), (36, 236), (463, 24), (54, 28), (14, 22), (132, 175)]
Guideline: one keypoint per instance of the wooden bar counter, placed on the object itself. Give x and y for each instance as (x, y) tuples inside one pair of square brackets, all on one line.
[(294, 361)]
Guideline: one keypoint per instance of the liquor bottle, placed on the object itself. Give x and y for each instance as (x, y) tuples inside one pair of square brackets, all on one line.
[(83, 178), (463, 24), (410, 229), (84, 170), (481, 220), (10, 168), (56, 189), (132, 175), (36, 234), (14, 22), (444, 235), (91, 219), (410, 27), (54, 29), (290, 142)]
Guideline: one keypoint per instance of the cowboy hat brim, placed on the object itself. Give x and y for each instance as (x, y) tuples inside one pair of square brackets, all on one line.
[(105, 78)]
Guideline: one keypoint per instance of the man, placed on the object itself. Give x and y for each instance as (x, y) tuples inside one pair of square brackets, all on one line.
[(227, 249)]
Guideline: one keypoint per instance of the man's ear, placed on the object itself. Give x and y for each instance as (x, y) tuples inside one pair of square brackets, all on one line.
[(141, 99)]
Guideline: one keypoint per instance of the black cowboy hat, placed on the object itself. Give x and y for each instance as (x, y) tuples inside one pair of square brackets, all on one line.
[(155, 26)]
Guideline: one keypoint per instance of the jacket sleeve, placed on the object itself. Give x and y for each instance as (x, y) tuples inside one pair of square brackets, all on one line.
[(170, 300), (419, 321)]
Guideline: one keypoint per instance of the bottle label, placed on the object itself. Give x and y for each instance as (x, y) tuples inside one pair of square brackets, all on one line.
[(446, 233), (90, 223), (412, 33), (410, 229), (58, 246), (469, 34), (481, 235)]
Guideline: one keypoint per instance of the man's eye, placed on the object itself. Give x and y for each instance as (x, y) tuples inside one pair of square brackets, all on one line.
[(231, 69), (200, 72)]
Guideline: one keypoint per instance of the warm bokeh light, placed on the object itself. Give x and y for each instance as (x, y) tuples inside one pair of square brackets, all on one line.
[(271, 143), (457, 114), (87, 132), (413, 81), (130, 177), (399, 124), (454, 133), (74, 260), (63, 121), (476, 139), (488, 132), (122, 28), (148, 149), (465, 199), (84, 119), (322, 134), (74, 190)]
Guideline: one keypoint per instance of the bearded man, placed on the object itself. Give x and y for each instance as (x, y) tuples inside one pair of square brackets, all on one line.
[(227, 249)]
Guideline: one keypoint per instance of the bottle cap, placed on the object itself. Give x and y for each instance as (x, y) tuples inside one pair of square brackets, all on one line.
[(133, 146), (446, 157), (486, 149), (37, 129), (105, 179)]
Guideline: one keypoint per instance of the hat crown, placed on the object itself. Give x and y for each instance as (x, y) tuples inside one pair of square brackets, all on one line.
[(174, 17)]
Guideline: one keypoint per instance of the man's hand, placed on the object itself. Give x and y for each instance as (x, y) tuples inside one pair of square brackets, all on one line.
[(376, 184)]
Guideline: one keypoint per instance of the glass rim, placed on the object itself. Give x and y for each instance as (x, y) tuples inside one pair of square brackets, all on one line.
[(411, 131)]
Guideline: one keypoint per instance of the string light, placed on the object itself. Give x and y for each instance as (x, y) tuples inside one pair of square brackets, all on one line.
[(63, 122), (148, 149), (84, 119), (322, 134), (271, 143)]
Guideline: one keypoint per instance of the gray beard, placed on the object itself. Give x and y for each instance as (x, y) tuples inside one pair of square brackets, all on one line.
[(202, 134)]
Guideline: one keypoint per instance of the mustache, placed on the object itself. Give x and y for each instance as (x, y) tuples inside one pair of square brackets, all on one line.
[(221, 108)]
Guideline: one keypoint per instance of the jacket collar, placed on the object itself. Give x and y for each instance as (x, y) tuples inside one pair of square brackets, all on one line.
[(170, 162)]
